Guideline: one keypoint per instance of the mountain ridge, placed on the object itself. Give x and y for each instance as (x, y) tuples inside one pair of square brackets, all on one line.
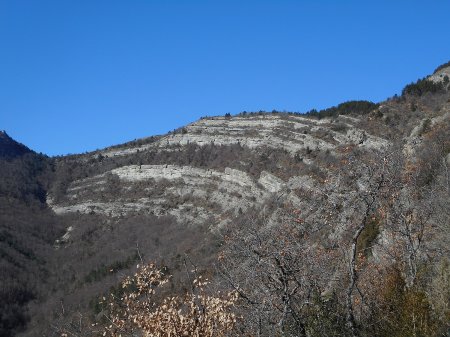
[(9, 148)]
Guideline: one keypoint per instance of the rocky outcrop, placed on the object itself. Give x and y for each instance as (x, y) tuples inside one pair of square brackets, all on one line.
[(288, 132), (193, 190), (195, 194)]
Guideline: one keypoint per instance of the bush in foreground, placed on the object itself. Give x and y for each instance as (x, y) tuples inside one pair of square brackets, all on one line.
[(195, 314)]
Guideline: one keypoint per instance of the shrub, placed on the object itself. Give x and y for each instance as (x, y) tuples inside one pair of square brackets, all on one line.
[(195, 314), (421, 87), (346, 108)]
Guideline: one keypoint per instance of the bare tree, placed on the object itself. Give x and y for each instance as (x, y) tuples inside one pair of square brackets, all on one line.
[(276, 271)]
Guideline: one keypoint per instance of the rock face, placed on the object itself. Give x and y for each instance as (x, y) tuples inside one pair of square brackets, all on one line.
[(229, 190), (196, 194), (439, 76), (287, 132)]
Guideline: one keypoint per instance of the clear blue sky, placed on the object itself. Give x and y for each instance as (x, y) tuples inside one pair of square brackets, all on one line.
[(81, 75)]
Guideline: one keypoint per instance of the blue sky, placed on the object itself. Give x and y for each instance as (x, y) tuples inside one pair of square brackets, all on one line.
[(80, 75)]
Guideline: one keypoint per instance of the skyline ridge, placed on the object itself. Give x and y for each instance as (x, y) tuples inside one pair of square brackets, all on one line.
[(81, 76)]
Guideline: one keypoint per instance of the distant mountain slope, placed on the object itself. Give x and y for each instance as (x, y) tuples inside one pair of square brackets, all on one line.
[(28, 229), (9, 148)]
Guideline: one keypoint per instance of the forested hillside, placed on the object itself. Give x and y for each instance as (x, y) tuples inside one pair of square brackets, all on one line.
[(28, 229), (325, 223)]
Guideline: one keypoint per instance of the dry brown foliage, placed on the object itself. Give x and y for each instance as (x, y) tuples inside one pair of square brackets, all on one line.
[(195, 314)]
